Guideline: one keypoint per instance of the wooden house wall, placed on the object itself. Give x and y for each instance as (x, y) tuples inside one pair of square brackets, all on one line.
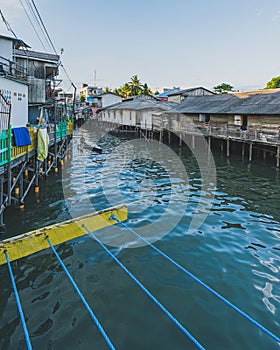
[(146, 119), (264, 121)]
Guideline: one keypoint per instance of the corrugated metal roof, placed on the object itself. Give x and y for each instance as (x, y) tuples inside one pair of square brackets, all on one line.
[(43, 56), (186, 91), (18, 42), (140, 103), (267, 103)]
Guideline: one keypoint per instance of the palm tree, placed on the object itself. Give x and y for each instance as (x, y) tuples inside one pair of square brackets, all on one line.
[(136, 88), (125, 90), (146, 90)]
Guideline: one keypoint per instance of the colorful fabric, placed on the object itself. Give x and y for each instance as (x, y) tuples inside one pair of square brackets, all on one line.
[(43, 145), (21, 136)]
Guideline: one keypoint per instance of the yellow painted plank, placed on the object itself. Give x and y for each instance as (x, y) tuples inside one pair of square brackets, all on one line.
[(35, 241)]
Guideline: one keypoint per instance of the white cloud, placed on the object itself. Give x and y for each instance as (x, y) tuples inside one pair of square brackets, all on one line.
[(276, 17)]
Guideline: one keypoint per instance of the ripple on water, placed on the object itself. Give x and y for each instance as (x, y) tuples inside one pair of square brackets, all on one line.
[(236, 251)]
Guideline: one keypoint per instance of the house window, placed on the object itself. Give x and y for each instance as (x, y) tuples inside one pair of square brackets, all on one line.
[(204, 118), (237, 120), (130, 115)]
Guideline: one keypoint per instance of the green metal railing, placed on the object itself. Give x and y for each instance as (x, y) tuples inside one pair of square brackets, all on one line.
[(5, 146), (61, 129), (9, 152)]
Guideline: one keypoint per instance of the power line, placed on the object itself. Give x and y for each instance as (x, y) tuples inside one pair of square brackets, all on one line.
[(50, 41), (7, 24), (45, 29), (30, 21), (38, 23), (11, 30)]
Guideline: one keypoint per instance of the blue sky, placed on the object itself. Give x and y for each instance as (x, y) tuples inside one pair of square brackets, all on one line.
[(182, 43)]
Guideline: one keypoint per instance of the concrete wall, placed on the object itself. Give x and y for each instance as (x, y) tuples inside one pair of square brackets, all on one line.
[(37, 90), (6, 49), (17, 94)]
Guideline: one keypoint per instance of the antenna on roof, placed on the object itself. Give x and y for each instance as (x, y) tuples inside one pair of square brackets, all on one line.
[(94, 78)]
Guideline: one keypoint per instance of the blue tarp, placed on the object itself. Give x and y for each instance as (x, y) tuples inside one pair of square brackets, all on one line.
[(21, 136)]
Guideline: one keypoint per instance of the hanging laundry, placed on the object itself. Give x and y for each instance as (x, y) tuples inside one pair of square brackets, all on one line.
[(21, 136), (43, 144)]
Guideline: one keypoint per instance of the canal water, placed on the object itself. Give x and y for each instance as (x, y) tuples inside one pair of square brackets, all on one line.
[(235, 250)]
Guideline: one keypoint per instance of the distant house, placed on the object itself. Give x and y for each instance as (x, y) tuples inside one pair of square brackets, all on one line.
[(257, 109), (90, 93), (179, 96), (166, 92), (136, 111), (108, 98)]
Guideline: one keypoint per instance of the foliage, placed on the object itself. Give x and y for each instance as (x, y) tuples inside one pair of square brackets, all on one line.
[(83, 98), (133, 88), (222, 88), (146, 90), (105, 90), (136, 87), (274, 83)]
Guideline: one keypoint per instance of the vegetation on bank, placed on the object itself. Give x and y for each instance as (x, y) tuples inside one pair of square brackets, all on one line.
[(134, 87)]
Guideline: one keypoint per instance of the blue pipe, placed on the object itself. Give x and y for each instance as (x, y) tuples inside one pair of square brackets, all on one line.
[(92, 315), (145, 290), (242, 313), (25, 331)]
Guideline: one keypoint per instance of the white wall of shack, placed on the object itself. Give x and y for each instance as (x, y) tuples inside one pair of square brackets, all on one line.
[(17, 94)]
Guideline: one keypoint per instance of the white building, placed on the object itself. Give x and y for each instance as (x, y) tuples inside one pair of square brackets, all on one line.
[(13, 87), (108, 98), (136, 111), (90, 93)]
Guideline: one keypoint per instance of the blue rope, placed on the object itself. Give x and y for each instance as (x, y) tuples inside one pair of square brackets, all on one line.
[(242, 313), (26, 335), (145, 290), (94, 318)]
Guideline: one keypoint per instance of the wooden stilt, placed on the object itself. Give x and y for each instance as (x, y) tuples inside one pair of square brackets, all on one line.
[(250, 152), (193, 141), (228, 148)]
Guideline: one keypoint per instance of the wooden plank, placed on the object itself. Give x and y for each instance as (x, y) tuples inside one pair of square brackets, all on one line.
[(35, 241)]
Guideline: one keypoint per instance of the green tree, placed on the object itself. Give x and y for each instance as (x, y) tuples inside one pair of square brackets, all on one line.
[(106, 89), (274, 83), (136, 87), (222, 88), (126, 90), (133, 87), (83, 98), (146, 90)]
